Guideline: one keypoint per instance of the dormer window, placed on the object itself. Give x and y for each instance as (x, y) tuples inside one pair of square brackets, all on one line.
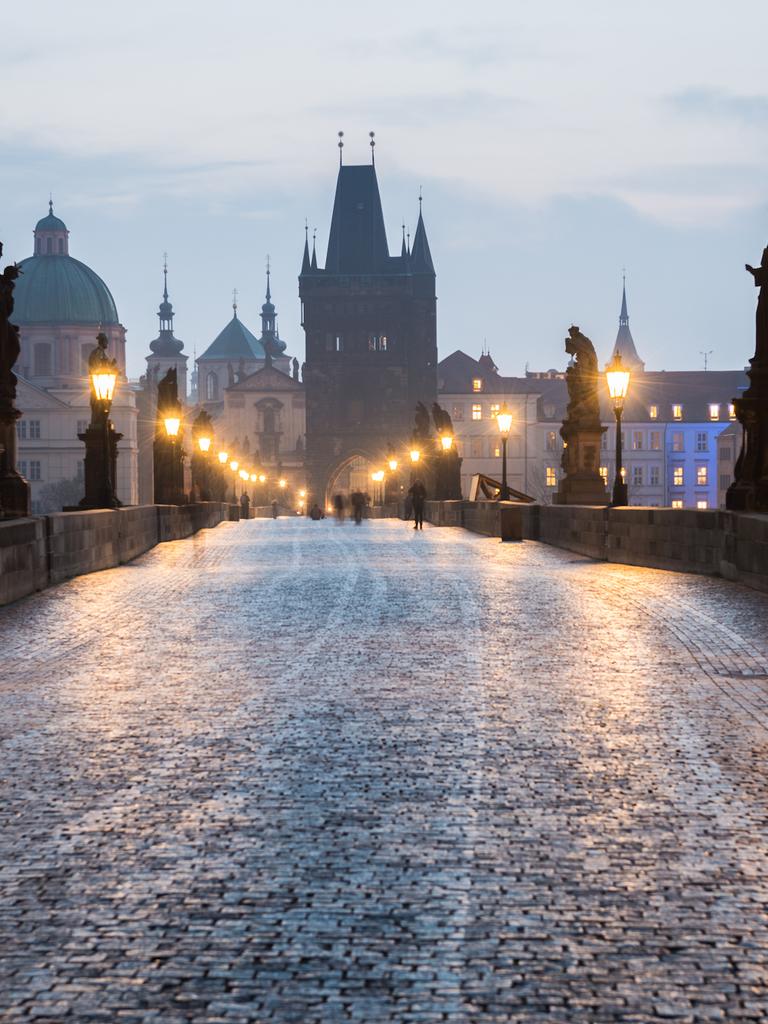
[(677, 412), (731, 411), (653, 412), (714, 411), (477, 384)]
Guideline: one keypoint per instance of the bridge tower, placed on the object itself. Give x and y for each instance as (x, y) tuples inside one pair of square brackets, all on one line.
[(370, 325)]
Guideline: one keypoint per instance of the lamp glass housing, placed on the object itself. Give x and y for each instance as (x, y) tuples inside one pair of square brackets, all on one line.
[(281, 483), (617, 378), (234, 464), (172, 425), (446, 440), (262, 478), (243, 474), (204, 443), (378, 476), (393, 464), (504, 420), (223, 456), (254, 478), (103, 384), (415, 455)]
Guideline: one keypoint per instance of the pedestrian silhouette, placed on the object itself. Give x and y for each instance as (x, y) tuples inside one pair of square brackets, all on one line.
[(418, 495)]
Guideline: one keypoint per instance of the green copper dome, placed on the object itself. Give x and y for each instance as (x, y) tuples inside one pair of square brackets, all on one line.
[(61, 290)]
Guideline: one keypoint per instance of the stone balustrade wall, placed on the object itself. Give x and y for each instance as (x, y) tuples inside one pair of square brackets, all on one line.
[(43, 550)]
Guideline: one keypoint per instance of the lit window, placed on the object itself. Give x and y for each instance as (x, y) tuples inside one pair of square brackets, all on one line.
[(655, 440), (677, 412), (731, 411), (637, 476), (604, 474), (477, 384), (702, 441), (653, 412), (637, 440), (702, 504), (655, 476), (677, 476), (495, 409), (701, 476), (497, 451), (677, 503), (551, 441), (551, 476), (714, 412), (623, 474), (477, 411), (677, 442)]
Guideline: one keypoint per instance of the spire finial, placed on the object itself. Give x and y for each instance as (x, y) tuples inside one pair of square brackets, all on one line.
[(341, 147), (50, 203), (165, 276), (234, 300), (624, 315), (306, 230), (420, 199), (372, 136), (269, 296)]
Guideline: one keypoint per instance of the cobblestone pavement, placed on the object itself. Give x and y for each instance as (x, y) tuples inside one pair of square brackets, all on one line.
[(286, 771)]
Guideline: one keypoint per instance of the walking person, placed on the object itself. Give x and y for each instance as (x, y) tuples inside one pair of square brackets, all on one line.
[(338, 505), (418, 495), (358, 504)]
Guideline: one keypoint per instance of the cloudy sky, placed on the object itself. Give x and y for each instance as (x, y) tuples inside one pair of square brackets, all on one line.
[(555, 143)]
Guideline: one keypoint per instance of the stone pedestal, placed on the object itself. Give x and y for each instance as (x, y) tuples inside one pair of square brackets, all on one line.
[(14, 489), (749, 491), (448, 475), (100, 441), (169, 472), (582, 483)]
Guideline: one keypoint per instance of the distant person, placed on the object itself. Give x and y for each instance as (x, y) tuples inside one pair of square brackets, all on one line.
[(315, 512), (274, 508), (418, 494), (338, 507), (245, 504), (358, 505)]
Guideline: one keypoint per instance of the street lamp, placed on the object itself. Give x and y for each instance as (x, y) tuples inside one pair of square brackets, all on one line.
[(415, 455), (393, 464), (223, 457), (617, 378), (168, 454), (233, 465), (446, 440), (504, 422), (100, 437), (203, 474), (172, 425)]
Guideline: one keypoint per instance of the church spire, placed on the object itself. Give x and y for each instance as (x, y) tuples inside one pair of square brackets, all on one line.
[(403, 249), (624, 316), (305, 265), (313, 264), (166, 344), (420, 255), (269, 295), (625, 344)]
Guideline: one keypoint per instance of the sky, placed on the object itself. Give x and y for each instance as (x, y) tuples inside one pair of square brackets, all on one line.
[(555, 144)]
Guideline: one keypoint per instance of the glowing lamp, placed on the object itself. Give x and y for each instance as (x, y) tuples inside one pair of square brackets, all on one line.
[(393, 465), (262, 478), (302, 493), (446, 440), (172, 425), (254, 478), (223, 456), (234, 465), (204, 443), (281, 483), (504, 420), (415, 455), (103, 384), (378, 476), (617, 378), (243, 474)]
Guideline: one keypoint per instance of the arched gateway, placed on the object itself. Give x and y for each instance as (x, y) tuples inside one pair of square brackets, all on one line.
[(369, 320)]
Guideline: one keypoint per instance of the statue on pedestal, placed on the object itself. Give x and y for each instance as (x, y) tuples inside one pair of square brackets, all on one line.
[(749, 490), (582, 430), (14, 489), (448, 463)]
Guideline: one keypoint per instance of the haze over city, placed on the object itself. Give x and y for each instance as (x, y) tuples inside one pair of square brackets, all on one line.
[(554, 144)]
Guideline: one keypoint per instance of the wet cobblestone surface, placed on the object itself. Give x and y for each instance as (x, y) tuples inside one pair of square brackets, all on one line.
[(300, 773)]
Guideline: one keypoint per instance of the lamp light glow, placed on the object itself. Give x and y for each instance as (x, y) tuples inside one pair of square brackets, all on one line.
[(378, 476), (446, 440), (281, 483), (172, 425), (393, 465), (262, 478), (617, 378), (103, 384), (504, 420), (204, 443), (223, 456), (234, 464), (254, 478), (415, 454)]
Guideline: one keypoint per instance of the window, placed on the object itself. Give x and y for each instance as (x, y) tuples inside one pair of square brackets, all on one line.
[(702, 441), (34, 430), (551, 476), (677, 476), (653, 412), (476, 447), (701, 476), (495, 409), (497, 451), (604, 441), (338, 343), (457, 413), (637, 476), (82, 426), (21, 430), (61, 246), (714, 411), (477, 411), (655, 476), (677, 503), (376, 343), (731, 411), (551, 441), (34, 470), (604, 474), (22, 464), (725, 481), (702, 504), (623, 474), (42, 361), (655, 440), (80, 469), (211, 387), (637, 440), (85, 351), (677, 412), (49, 246), (477, 384), (725, 454), (678, 441)]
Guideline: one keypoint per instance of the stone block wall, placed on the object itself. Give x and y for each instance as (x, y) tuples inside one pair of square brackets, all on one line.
[(43, 550)]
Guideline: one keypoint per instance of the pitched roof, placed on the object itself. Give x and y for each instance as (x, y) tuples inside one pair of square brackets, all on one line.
[(624, 345), (421, 257), (268, 378), (357, 243), (234, 342)]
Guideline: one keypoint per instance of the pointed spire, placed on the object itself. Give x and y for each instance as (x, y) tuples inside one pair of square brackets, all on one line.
[(166, 344), (624, 346), (372, 136), (305, 265), (314, 250), (403, 249), (50, 204), (234, 302), (269, 295), (341, 147), (624, 316), (421, 256), (165, 277)]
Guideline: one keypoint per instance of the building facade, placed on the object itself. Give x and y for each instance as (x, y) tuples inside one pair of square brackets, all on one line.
[(370, 326), (60, 307)]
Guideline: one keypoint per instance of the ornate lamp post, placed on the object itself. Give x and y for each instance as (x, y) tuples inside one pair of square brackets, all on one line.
[(617, 378), (504, 422), (168, 451), (101, 438), (202, 432)]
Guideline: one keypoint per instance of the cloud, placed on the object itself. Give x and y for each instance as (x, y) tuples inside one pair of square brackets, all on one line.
[(434, 108), (716, 103)]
